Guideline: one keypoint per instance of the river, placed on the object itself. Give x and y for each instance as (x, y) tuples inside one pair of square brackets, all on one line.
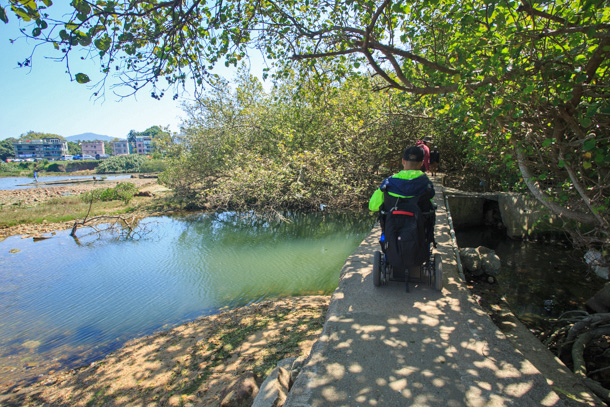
[(12, 183), (67, 302)]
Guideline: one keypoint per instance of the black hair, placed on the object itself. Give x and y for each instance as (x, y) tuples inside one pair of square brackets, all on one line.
[(413, 153)]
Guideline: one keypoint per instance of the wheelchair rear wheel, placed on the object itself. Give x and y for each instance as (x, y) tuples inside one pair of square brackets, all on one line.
[(377, 269), (438, 272)]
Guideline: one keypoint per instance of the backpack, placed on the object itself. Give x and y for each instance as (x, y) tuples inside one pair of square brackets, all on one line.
[(405, 230)]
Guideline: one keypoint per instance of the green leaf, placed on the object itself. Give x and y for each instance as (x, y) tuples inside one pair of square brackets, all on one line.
[(82, 78), (547, 142), (586, 165), (84, 40), (81, 6), (23, 14), (103, 44), (36, 32), (580, 58), (3, 15), (589, 145)]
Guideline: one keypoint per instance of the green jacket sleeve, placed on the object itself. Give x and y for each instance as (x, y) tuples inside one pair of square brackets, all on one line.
[(376, 200)]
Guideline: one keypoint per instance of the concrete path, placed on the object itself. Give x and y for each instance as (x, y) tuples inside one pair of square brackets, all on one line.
[(384, 347)]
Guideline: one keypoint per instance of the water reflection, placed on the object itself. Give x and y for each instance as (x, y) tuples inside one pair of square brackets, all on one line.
[(12, 183), (64, 301)]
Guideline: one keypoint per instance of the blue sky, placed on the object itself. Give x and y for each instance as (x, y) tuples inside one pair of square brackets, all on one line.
[(43, 98)]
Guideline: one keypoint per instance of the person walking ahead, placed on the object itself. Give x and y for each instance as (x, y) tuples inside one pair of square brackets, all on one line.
[(423, 144)]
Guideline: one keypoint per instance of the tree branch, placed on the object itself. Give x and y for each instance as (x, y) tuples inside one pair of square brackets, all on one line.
[(581, 191), (545, 199)]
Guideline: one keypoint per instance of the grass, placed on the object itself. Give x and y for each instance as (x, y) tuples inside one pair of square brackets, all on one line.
[(295, 326)]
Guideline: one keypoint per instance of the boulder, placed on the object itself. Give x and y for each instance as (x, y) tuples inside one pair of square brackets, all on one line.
[(600, 302), (480, 261), (595, 260), (471, 260), (490, 262)]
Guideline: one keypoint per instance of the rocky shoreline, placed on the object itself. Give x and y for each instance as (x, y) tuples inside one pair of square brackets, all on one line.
[(219, 360)]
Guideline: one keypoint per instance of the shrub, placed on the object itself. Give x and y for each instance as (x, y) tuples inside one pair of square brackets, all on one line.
[(56, 167), (153, 166), (10, 168), (124, 191), (121, 164)]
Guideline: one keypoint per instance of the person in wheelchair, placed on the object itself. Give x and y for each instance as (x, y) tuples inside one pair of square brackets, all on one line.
[(406, 215)]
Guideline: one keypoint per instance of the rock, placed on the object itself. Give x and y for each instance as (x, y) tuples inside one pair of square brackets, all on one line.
[(490, 262), (31, 344), (600, 302), (145, 193), (596, 262), (481, 260), (602, 272), (471, 260), (241, 393)]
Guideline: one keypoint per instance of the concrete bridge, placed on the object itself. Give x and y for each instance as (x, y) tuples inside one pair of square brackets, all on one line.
[(381, 346)]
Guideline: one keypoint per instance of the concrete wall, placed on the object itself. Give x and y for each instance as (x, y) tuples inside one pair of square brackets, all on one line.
[(521, 215)]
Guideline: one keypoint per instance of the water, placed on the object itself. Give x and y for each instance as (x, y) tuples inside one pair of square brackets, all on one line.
[(540, 280), (11, 183), (67, 302)]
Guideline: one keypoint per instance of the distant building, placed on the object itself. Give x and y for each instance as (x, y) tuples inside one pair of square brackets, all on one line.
[(92, 148), (120, 147), (144, 145), (48, 148)]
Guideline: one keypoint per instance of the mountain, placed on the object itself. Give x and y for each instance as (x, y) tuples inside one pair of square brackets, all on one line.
[(89, 137)]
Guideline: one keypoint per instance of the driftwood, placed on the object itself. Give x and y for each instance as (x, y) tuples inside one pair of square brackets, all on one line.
[(95, 220), (127, 224)]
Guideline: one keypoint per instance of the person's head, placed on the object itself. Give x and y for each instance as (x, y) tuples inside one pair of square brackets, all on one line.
[(427, 140), (412, 158)]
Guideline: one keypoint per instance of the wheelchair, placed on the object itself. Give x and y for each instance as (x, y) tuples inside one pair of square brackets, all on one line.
[(407, 244)]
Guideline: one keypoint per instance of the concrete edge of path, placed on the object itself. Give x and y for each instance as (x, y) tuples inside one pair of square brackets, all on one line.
[(568, 389)]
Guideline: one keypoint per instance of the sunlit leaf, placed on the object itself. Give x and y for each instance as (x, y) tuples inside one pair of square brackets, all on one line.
[(82, 78)]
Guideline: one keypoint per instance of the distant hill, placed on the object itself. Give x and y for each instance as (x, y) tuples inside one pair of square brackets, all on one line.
[(89, 137)]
